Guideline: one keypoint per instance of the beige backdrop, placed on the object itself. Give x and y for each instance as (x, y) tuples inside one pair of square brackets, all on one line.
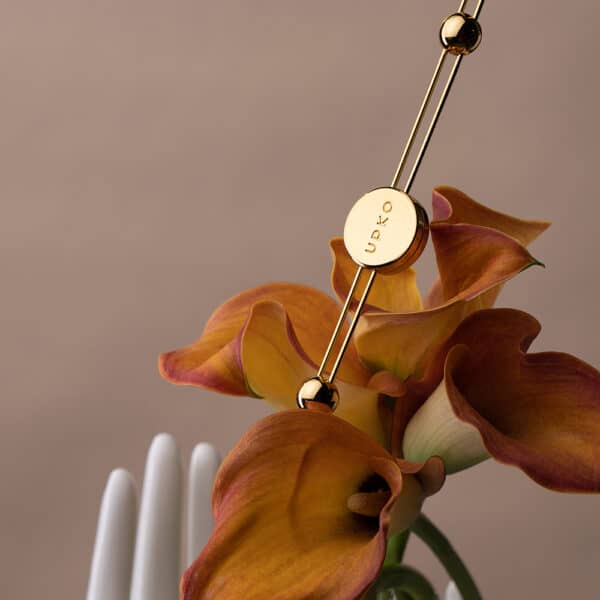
[(157, 157)]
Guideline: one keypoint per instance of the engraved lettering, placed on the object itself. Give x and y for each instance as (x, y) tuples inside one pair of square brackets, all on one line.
[(387, 208)]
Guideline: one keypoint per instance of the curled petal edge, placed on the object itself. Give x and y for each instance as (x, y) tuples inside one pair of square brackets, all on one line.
[(268, 517)]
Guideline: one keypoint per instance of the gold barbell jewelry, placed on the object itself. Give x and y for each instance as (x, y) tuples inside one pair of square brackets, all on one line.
[(386, 230)]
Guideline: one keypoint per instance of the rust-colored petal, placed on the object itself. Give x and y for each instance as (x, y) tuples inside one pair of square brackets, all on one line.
[(450, 205), (476, 248), (472, 259), (540, 412), (387, 383), (390, 293), (214, 360), (477, 251), (284, 524)]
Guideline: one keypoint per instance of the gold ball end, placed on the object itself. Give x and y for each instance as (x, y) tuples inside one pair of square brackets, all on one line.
[(460, 34), (318, 394)]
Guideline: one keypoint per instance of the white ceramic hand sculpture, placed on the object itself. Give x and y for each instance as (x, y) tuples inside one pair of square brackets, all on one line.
[(139, 557)]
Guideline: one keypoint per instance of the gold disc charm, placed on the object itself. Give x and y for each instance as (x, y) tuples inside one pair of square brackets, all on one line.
[(386, 231)]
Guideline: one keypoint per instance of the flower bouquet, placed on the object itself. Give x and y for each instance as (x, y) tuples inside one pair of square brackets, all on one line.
[(315, 505)]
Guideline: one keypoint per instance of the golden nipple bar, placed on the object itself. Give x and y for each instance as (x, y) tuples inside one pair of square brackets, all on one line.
[(386, 231)]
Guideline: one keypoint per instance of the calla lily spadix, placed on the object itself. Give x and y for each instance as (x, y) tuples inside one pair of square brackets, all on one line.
[(305, 502)]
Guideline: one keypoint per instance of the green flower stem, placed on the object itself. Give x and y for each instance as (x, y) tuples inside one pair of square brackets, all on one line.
[(438, 543), (396, 547), (402, 582)]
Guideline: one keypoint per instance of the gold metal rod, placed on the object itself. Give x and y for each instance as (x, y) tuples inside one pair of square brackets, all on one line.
[(478, 9), (406, 189), (353, 325), (419, 119), (340, 322), (434, 122), (475, 15)]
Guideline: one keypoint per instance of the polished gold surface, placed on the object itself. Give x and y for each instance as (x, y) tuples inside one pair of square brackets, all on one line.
[(419, 121), (460, 34), (353, 324), (385, 230), (318, 394), (475, 14), (427, 101), (341, 321)]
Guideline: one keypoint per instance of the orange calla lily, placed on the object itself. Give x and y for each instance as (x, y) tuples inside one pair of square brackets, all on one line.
[(446, 377), (307, 501), (539, 412)]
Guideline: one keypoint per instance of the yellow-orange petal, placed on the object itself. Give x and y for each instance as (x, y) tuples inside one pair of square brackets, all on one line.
[(476, 247), (540, 412), (275, 367), (390, 293), (403, 343), (283, 528), (214, 360)]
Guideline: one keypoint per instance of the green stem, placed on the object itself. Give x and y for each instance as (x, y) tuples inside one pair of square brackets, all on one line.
[(400, 581), (438, 543), (396, 547)]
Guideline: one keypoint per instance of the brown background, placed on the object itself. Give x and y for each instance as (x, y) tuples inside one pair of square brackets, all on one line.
[(157, 157)]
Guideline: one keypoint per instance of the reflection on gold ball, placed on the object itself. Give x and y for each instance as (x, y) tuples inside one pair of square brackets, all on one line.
[(317, 394), (460, 34)]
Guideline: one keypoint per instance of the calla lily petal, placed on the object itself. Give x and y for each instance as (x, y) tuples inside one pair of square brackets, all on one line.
[(211, 362), (452, 206), (391, 293), (402, 343), (540, 412), (387, 383), (435, 430), (276, 366), (214, 360), (476, 247), (475, 258), (285, 527), (487, 257)]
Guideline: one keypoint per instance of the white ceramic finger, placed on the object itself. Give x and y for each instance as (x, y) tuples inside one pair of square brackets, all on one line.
[(203, 467), (110, 574), (452, 592), (156, 566)]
